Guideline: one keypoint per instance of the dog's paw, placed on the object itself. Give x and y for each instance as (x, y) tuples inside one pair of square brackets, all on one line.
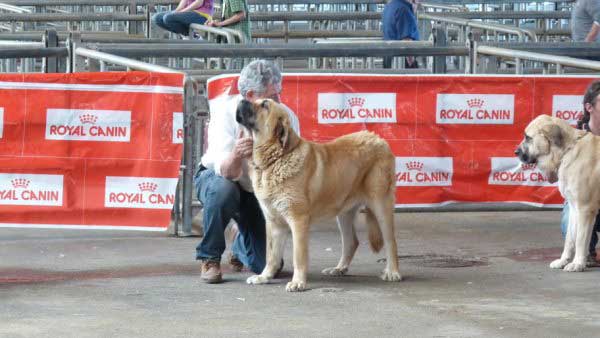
[(294, 286), (574, 267), (334, 271), (558, 264), (257, 279), (389, 276)]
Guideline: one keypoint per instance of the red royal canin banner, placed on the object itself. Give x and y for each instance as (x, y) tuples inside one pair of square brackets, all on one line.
[(89, 150), (453, 136)]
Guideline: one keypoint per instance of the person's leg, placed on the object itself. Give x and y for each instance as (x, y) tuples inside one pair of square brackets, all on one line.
[(158, 20), (594, 240), (564, 219), (387, 62), (220, 198), (180, 22), (250, 244)]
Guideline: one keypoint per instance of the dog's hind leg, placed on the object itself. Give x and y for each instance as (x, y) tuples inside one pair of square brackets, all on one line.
[(585, 226), (345, 224), (569, 246), (383, 209)]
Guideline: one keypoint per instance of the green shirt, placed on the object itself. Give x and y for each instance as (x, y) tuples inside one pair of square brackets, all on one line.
[(229, 8)]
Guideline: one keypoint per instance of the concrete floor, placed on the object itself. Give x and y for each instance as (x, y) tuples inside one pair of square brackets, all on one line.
[(56, 283)]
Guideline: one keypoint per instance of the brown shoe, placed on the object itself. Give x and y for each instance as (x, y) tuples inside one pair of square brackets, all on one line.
[(591, 262), (236, 264), (211, 272)]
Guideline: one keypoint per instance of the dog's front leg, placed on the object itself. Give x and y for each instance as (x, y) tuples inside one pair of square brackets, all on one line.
[(585, 225), (276, 235), (300, 241)]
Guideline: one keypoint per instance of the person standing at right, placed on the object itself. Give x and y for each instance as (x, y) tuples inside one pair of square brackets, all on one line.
[(399, 21), (585, 21)]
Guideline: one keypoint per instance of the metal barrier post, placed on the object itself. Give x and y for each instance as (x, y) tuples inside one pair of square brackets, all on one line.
[(133, 27), (472, 64), (76, 63), (189, 125), (439, 62), (50, 39), (149, 10)]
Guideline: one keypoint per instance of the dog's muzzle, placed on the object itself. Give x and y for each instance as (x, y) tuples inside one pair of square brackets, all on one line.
[(523, 156), (245, 114)]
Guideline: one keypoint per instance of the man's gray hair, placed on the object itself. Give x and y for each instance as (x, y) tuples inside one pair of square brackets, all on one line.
[(258, 75)]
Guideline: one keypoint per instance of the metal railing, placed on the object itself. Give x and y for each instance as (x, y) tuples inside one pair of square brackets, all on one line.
[(13, 9), (521, 33), (520, 56)]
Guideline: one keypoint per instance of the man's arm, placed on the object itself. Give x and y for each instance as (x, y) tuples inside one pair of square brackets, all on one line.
[(193, 5), (180, 6), (231, 167), (593, 34), (237, 17), (594, 11)]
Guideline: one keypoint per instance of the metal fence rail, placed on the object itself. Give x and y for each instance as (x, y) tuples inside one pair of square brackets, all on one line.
[(520, 56), (43, 17), (382, 48), (32, 52)]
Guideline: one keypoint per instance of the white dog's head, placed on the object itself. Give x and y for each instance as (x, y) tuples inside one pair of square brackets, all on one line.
[(544, 144)]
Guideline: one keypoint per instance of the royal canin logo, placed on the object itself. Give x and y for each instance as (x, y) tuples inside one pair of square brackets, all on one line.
[(510, 171), (148, 186), (475, 103), (88, 125), (424, 171), (414, 165), (568, 108), (139, 192), (356, 102), (356, 108), (31, 189), (475, 108), (88, 118), (20, 183)]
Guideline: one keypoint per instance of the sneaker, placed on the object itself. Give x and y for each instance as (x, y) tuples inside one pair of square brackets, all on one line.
[(211, 272), (235, 263)]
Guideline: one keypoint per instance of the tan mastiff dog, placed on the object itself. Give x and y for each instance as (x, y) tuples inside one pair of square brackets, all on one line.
[(298, 183), (572, 157)]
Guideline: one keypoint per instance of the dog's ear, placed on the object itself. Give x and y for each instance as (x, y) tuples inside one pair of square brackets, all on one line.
[(282, 133), (555, 135)]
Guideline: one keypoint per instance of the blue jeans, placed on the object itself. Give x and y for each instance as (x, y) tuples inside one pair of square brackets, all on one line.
[(177, 22), (564, 225), (223, 200)]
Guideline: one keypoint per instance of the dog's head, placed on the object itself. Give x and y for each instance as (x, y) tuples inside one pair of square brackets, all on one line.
[(269, 123), (543, 143)]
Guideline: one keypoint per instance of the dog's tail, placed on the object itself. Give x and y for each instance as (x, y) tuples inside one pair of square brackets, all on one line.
[(375, 237)]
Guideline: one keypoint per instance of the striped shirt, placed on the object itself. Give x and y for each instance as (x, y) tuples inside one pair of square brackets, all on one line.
[(230, 7)]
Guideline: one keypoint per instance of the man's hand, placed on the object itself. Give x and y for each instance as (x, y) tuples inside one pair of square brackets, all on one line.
[(243, 146), (212, 23)]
